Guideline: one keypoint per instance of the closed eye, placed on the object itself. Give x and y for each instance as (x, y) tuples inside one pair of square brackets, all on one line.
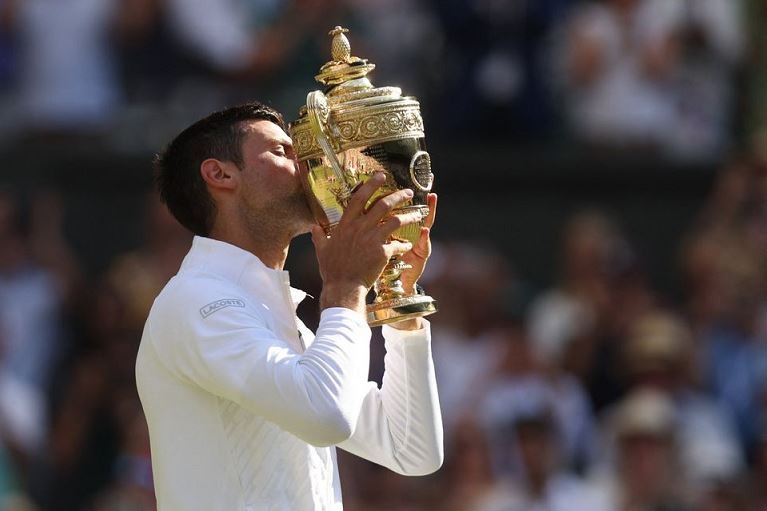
[(284, 148)]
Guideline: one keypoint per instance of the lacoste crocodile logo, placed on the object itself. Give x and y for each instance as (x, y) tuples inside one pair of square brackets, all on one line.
[(220, 304)]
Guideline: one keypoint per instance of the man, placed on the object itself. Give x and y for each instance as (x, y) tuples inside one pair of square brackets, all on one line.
[(244, 403)]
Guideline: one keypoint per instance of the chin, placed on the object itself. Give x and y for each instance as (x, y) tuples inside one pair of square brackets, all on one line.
[(303, 210), (302, 228), (304, 217)]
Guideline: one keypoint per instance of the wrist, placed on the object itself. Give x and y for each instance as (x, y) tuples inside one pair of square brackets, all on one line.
[(413, 323), (343, 294)]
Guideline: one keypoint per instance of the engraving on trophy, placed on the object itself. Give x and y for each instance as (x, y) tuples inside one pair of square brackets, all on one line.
[(350, 130), (420, 171), (377, 152)]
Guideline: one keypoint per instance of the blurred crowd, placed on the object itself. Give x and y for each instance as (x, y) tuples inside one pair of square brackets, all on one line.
[(676, 77), (600, 393)]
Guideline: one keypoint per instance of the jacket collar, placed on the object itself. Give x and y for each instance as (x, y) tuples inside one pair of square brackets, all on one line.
[(233, 264)]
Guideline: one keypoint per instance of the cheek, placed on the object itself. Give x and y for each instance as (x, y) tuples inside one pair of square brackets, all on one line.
[(272, 175), (274, 167)]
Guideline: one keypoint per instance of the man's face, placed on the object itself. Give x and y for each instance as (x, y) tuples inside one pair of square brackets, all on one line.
[(270, 190)]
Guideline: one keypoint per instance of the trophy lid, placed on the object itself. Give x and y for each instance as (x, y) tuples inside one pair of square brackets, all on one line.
[(356, 113), (343, 66)]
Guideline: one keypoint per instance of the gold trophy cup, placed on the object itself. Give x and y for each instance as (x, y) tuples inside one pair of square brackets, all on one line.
[(346, 134)]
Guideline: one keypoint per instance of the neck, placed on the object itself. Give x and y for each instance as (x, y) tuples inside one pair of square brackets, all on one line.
[(270, 249)]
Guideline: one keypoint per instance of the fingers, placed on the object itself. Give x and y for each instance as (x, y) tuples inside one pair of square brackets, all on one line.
[(385, 205), (396, 248), (431, 201), (394, 222), (362, 195), (422, 249)]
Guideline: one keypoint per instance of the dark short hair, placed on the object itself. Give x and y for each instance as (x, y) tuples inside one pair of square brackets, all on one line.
[(177, 168)]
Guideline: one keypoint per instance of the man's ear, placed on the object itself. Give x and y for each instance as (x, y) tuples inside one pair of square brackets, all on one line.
[(219, 174)]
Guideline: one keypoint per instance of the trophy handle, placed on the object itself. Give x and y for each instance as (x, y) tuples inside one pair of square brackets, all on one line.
[(318, 113)]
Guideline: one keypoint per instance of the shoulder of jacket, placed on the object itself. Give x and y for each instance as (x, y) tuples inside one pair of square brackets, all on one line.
[(196, 296)]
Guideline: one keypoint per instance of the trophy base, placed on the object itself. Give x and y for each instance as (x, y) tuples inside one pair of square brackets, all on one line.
[(400, 309)]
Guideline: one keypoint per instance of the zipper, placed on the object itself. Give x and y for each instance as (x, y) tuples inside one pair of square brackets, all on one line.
[(291, 307)]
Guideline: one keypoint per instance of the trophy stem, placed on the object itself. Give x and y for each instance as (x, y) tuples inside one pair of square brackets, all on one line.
[(389, 286), (392, 302)]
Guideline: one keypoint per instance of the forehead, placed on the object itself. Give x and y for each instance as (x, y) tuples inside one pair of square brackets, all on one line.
[(263, 132)]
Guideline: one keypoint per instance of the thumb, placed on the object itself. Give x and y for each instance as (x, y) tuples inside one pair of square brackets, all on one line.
[(422, 248)]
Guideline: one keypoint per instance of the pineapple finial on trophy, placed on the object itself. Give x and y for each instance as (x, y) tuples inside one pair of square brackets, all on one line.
[(340, 48), (343, 66)]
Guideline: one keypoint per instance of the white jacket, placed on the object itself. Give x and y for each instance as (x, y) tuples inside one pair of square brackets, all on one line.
[(244, 403)]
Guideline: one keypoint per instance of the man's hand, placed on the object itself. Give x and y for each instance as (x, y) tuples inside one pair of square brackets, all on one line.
[(417, 258), (421, 251), (353, 258)]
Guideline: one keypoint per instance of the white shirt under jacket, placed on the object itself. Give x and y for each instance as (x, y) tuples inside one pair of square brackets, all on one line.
[(244, 403)]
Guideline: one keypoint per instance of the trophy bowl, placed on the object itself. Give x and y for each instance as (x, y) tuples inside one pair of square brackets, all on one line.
[(343, 136)]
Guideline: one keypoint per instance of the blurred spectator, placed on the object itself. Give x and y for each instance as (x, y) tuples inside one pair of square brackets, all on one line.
[(138, 276), (30, 336), (756, 72), (494, 81), (539, 483), (194, 56), (244, 36), (90, 421), (66, 79), (469, 481), (659, 355), (736, 360), (572, 310), (7, 54), (620, 56), (410, 60), (521, 388), (720, 496), (49, 245), (132, 488), (376, 488), (711, 34), (99, 444), (727, 290), (472, 282), (602, 289), (653, 73), (757, 485), (542, 484), (646, 475)]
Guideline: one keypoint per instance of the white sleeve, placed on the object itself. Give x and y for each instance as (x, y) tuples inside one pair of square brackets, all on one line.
[(232, 354), (400, 425)]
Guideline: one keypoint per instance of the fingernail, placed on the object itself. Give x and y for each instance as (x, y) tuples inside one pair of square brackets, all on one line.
[(408, 192)]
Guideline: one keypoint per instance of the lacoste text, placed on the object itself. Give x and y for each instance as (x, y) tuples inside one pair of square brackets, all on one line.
[(220, 304)]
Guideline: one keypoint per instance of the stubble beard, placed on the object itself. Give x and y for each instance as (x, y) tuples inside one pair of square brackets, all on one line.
[(283, 218), (304, 219)]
